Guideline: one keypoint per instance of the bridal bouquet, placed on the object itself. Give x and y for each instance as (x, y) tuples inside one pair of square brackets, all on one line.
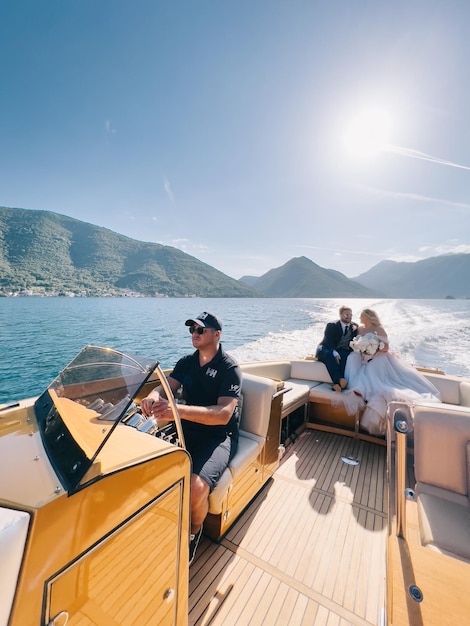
[(366, 345)]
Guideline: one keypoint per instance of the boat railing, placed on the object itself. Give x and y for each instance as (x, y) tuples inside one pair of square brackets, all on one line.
[(400, 425)]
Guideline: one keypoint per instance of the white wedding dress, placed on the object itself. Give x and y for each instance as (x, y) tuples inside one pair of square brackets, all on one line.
[(383, 378)]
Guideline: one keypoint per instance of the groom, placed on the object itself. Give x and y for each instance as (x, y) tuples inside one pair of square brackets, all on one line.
[(334, 348)]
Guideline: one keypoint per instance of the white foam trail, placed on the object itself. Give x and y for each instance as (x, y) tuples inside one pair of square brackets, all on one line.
[(424, 333)]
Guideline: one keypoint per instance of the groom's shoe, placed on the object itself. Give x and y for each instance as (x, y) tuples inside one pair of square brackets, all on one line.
[(337, 388), (343, 383)]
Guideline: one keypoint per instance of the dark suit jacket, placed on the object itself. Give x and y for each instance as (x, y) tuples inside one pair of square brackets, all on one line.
[(333, 334)]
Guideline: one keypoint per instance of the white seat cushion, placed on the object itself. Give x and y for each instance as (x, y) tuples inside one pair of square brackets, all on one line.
[(247, 452), (13, 532), (444, 522), (219, 492), (249, 447), (295, 396), (322, 393)]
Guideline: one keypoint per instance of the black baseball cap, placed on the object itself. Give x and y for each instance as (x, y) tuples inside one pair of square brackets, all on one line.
[(206, 320)]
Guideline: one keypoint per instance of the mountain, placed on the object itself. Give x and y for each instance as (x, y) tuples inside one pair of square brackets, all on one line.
[(249, 280), (43, 251), (443, 276), (302, 278)]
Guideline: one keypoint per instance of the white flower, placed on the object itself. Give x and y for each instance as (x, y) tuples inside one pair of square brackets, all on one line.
[(366, 345)]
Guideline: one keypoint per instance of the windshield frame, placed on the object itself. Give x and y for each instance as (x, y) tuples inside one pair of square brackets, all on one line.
[(73, 434)]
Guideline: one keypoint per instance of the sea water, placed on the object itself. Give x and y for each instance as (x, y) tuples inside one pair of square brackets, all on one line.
[(39, 336)]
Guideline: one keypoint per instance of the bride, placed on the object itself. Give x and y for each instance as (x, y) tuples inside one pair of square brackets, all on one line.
[(376, 377)]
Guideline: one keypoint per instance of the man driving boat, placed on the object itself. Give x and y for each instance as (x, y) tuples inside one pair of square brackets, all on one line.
[(211, 382)]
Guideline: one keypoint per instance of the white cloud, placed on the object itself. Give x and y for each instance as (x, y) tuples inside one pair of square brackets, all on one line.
[(168, 191), (462, 248), (109, 129), (200, 247), (404, 258), (428, 251), (179, 242), (188, 246), (416, 154), (417, 197)]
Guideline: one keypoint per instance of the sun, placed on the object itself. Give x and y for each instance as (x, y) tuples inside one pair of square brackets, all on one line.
[(368, 133)]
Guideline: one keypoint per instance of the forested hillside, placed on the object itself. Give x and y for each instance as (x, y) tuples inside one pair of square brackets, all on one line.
[(48, 252)]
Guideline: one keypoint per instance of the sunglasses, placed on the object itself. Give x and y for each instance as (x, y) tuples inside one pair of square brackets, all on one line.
[(199, 330)]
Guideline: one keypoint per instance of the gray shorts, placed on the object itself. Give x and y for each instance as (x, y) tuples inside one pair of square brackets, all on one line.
[(210, 456)]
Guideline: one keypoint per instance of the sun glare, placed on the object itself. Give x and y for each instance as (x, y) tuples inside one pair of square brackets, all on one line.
[(368, 133)]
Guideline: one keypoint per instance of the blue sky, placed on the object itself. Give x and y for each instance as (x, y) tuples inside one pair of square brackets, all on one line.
[(223, 128)]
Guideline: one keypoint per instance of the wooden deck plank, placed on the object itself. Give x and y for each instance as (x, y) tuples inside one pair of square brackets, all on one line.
[(278, 601), (268, 588), (303, 460), (263, 538), (377, 484), (255, 515), (363, 482), (300, 607), (336, 559), (363, 574), (251, 598), (290, 609), (327, 561), (330, 465), (307, 513), (314, 454), (207, 589), (288, 557), (310, 615), (354, 474), (296, 556), (343, 576), (317, 544), (320, 505), (323, 617), (226, 595), (354, 562), (377, 563)]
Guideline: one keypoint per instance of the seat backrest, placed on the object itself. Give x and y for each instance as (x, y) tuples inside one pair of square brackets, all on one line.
[(270, 369), (309, 369), (441, 437), (464, 399), (448, 386), (257, 398)]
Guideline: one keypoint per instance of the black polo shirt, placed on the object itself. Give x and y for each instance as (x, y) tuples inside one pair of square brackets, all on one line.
[(204, 385)]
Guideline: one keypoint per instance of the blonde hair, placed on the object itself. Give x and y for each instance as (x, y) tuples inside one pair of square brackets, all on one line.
[(344, 308), (372, 317)]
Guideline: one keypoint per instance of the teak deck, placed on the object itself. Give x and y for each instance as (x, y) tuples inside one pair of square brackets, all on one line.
[(309, 550)]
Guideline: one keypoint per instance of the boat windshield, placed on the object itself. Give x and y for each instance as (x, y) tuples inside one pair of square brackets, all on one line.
[(82, 406)]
